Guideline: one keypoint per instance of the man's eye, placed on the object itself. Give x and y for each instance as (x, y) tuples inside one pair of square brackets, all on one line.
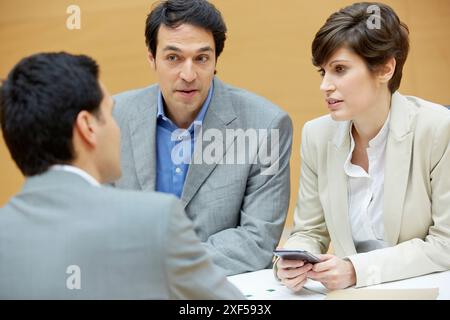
[(172, 58), (203, 59)]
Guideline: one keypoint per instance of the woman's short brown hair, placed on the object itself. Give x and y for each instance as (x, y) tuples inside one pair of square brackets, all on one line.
[(350, 27)]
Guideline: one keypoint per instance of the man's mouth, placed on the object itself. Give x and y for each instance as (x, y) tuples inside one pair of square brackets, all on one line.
[(187, 94), (187, 91)]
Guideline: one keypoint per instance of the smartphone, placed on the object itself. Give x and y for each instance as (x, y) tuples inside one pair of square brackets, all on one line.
[(290, 254)]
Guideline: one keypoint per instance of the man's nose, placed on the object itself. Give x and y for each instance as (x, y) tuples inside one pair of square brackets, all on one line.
[(188, 72)]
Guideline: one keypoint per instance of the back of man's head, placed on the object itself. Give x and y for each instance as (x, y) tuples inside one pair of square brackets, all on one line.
[(39, 104)]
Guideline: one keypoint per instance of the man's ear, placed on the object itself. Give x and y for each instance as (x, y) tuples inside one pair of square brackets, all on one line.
[(387, 71), (85, 126), (151, 59)]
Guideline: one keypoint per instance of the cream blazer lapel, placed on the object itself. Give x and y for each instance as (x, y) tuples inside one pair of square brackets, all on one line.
[(338, 150), (397, 165)]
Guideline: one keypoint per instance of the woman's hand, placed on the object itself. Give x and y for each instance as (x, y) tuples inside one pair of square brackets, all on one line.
[(333, 272), (292, 273)]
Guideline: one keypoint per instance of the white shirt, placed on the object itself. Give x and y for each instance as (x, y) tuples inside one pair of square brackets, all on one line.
[(365, 194), (86, 176)]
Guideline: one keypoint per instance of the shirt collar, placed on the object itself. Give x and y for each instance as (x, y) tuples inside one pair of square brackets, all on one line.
[(83, 174), (201, 115)]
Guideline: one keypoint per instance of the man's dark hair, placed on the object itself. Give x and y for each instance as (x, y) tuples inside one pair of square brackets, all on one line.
[(348, 28), (173, 13), (39, 104)]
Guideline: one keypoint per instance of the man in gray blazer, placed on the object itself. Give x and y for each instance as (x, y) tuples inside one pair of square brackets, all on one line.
[(224, 151), (66, 237)]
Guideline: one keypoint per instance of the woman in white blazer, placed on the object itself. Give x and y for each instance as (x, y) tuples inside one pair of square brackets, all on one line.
[(375, 172)]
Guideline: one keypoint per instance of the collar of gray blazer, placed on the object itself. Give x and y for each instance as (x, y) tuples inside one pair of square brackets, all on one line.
[(55, 179), (398, 159), (221, 115)]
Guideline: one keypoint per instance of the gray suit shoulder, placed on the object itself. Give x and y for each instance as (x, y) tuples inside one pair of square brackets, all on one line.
[(145, 204), (247, 101), (128, 101)]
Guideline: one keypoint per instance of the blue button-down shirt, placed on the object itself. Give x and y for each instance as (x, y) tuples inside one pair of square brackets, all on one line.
[(174, 148)]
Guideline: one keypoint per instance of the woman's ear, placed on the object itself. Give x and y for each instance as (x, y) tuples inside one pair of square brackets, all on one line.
[(386, 72), (85, 126)]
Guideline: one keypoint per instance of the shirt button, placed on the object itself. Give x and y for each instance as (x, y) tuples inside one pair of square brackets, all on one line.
[(178, 170)]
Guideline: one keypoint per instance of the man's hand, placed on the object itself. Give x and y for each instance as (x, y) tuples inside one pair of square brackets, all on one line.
[(333, 272), (292, 273)]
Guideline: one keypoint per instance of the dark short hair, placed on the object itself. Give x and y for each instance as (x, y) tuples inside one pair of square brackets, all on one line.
[(173, 13), (39, 104), (348, 28)]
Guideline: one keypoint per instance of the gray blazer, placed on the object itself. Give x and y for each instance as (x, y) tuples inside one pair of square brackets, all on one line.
[(238, 213), (127, 245)]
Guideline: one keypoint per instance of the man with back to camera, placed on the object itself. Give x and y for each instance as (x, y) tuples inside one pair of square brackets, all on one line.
[(66, 237), (238, 208)]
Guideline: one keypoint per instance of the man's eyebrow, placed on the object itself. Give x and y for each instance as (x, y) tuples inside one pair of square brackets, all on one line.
[(174, 48), (205, 49), (171, 48)]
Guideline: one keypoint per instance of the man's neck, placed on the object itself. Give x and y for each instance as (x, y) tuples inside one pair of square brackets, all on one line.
[(87, 167), (182, 118), (78, 171)]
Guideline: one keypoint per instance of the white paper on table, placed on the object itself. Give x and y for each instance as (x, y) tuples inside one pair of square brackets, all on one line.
[(261, 285)]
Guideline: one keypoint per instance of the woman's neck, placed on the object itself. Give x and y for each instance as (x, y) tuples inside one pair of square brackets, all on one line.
[(369, 124)]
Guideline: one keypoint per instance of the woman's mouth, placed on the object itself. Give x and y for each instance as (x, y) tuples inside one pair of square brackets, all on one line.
[(333, 103)]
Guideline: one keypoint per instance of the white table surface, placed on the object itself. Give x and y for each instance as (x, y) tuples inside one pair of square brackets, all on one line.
[(261, 285)]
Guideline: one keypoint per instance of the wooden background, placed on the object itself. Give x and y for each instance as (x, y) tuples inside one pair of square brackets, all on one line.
[(267, 51)]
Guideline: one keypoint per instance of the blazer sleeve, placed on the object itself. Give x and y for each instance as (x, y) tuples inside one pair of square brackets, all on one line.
[(417, 256), (310, 231), (189, 270), (263, 210)]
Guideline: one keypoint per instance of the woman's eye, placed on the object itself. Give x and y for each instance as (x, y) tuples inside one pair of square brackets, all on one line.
[(340, 69), (321, 72)]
